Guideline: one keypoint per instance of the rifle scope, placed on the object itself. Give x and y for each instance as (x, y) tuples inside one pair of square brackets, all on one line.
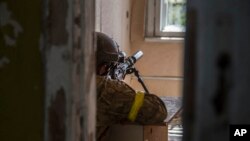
[(132, 59)]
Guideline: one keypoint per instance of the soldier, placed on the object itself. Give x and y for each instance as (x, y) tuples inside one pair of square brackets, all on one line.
[(117, 102)]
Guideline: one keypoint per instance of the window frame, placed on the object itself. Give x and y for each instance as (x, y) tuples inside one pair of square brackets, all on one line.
[(152, 22)]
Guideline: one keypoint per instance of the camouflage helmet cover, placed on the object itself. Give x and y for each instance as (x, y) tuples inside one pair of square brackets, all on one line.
[(107, 49)]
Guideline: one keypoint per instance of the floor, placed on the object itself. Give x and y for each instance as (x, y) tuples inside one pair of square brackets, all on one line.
[(175, 133), (173, 105)]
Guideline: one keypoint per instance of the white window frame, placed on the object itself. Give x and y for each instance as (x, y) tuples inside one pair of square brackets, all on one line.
[(152, 22)]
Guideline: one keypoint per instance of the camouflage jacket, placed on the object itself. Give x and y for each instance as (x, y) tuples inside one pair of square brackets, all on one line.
[(114, 101)]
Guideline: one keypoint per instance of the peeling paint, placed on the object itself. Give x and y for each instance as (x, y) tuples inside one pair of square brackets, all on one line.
[(92, 108), (65, 69), (9, 41), (6, 19), (57, 22), (4, 61), (57, 68), (57, 113)]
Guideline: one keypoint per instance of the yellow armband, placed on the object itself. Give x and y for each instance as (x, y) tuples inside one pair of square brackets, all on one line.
[(139, 97)]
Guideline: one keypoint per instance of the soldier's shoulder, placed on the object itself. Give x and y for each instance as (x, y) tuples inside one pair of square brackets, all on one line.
[(103, 78), (107, 81)]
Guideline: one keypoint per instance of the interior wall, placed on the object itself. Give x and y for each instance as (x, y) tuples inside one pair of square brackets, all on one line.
[(161, 65), (113, 19)]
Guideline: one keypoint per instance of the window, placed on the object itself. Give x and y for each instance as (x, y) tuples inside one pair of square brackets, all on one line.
[(165, 18)]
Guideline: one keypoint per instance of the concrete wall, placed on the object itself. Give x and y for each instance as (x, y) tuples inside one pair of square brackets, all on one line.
[(161, 65), (47, 77), (69, 56)]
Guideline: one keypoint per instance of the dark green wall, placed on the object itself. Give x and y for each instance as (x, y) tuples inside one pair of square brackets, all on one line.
[(21, 72)]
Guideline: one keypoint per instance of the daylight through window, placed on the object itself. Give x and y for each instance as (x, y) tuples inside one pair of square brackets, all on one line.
[(165, 18)]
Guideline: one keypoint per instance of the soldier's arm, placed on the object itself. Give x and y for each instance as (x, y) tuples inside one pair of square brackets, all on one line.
[(125, 101)]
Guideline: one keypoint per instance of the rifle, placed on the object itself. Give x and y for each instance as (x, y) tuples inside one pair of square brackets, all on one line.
[(126, 66)]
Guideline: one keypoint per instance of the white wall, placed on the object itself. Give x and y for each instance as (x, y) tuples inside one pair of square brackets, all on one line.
[(113, 18)]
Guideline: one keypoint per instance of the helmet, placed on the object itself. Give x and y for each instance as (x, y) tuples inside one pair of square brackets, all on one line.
[(107, 49)]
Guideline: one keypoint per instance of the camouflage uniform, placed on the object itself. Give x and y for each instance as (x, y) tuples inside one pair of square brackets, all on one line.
[(114, 101)]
